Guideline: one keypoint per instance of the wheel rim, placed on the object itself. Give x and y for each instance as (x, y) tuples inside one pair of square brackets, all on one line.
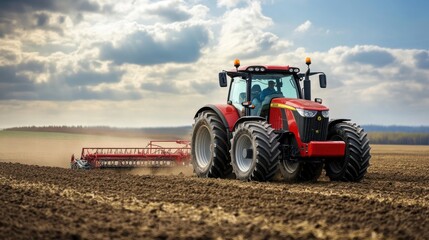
[(203, 143), (290, 166), (243, 145)]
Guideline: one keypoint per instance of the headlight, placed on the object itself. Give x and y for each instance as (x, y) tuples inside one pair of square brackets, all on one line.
[(325, 114), (306, 113)]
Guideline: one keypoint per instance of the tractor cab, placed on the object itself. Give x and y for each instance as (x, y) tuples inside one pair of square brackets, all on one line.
[(263, 88), (254, 87)]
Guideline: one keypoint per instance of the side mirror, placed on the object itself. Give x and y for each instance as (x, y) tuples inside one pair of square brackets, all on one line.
[(222, 79), (322, 80)]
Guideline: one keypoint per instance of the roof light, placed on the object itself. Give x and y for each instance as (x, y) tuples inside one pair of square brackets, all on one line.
[(250, 69), (262, 69), (256, 69), (290, 69), (296, 70), (307, 60), (236, 63)]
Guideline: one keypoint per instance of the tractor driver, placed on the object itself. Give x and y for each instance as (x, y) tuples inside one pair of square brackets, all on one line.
[(268, 91)]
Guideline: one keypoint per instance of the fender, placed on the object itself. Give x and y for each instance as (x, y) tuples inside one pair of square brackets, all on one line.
[(332, 122), (227, 113), (248, 118)]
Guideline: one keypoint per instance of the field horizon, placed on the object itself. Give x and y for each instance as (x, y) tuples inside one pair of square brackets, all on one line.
[(399, 135)]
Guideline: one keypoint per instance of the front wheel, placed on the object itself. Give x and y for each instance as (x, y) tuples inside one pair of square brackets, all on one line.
[(295, 171), (254, 151), (353, 166)]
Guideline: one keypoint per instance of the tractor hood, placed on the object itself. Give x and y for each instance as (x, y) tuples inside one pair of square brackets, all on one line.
[(299, 103)]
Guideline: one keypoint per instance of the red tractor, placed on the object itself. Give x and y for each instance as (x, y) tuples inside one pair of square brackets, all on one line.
[(270, 128)]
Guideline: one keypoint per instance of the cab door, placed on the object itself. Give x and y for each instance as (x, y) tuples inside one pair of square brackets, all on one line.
[(237, 94)]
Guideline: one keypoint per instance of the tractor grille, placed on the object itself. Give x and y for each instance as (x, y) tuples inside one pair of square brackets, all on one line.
[(312, 129)]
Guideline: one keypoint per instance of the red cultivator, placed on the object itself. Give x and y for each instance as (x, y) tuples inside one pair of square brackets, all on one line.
[(152, 156)]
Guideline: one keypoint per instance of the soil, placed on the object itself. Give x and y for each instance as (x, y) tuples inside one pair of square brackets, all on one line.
[(38, 202)]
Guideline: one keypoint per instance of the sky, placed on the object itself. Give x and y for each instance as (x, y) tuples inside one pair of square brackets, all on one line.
[(155, 63)]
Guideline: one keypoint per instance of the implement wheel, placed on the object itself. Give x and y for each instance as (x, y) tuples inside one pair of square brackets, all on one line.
[(210, 147), (353, 166), (254, 151)]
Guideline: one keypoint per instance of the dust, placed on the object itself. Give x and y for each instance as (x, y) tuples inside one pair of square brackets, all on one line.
[(173, 171), (55, 149)]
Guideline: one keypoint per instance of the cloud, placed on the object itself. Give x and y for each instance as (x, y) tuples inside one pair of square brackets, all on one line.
[(229, 3), (24, 6), (204, 87), (33, 79), (375, 57), (163, 87), (142, 48), (368, 72), (244, 34), (26, 15), (13, 85), (303, 27), (42, 19), (422, 59), (91, 78), (171, 10)]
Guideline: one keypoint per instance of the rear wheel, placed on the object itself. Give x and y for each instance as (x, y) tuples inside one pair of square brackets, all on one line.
[(353, 166), (254, 151), (210, 147)]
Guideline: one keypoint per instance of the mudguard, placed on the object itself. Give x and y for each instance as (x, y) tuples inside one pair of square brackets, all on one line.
[(227, 113), (248, 118), (332, 122)]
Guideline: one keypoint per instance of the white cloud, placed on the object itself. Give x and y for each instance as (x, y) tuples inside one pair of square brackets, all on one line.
[(244, 33), (229, 3), (303, 27)]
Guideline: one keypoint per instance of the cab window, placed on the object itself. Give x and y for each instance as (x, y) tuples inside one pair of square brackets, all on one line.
[(284, 84), (238, 92)]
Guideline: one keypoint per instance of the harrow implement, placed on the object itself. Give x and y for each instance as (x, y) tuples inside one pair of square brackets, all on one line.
[(154, 155)]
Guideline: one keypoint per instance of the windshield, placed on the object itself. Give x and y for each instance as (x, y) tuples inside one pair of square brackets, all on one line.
[(275, 84), (264, 87)]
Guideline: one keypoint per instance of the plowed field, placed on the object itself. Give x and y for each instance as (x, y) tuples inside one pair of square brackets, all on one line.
[(392, 202)]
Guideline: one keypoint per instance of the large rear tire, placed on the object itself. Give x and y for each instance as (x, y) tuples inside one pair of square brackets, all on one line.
[(210, 147), (353, 166), (254, 151)]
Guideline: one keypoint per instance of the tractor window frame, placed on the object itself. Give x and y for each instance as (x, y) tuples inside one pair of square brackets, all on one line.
[(234, 92)]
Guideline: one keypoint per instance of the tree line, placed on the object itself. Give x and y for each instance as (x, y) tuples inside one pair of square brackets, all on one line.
[(155, 133), (400, 138)]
